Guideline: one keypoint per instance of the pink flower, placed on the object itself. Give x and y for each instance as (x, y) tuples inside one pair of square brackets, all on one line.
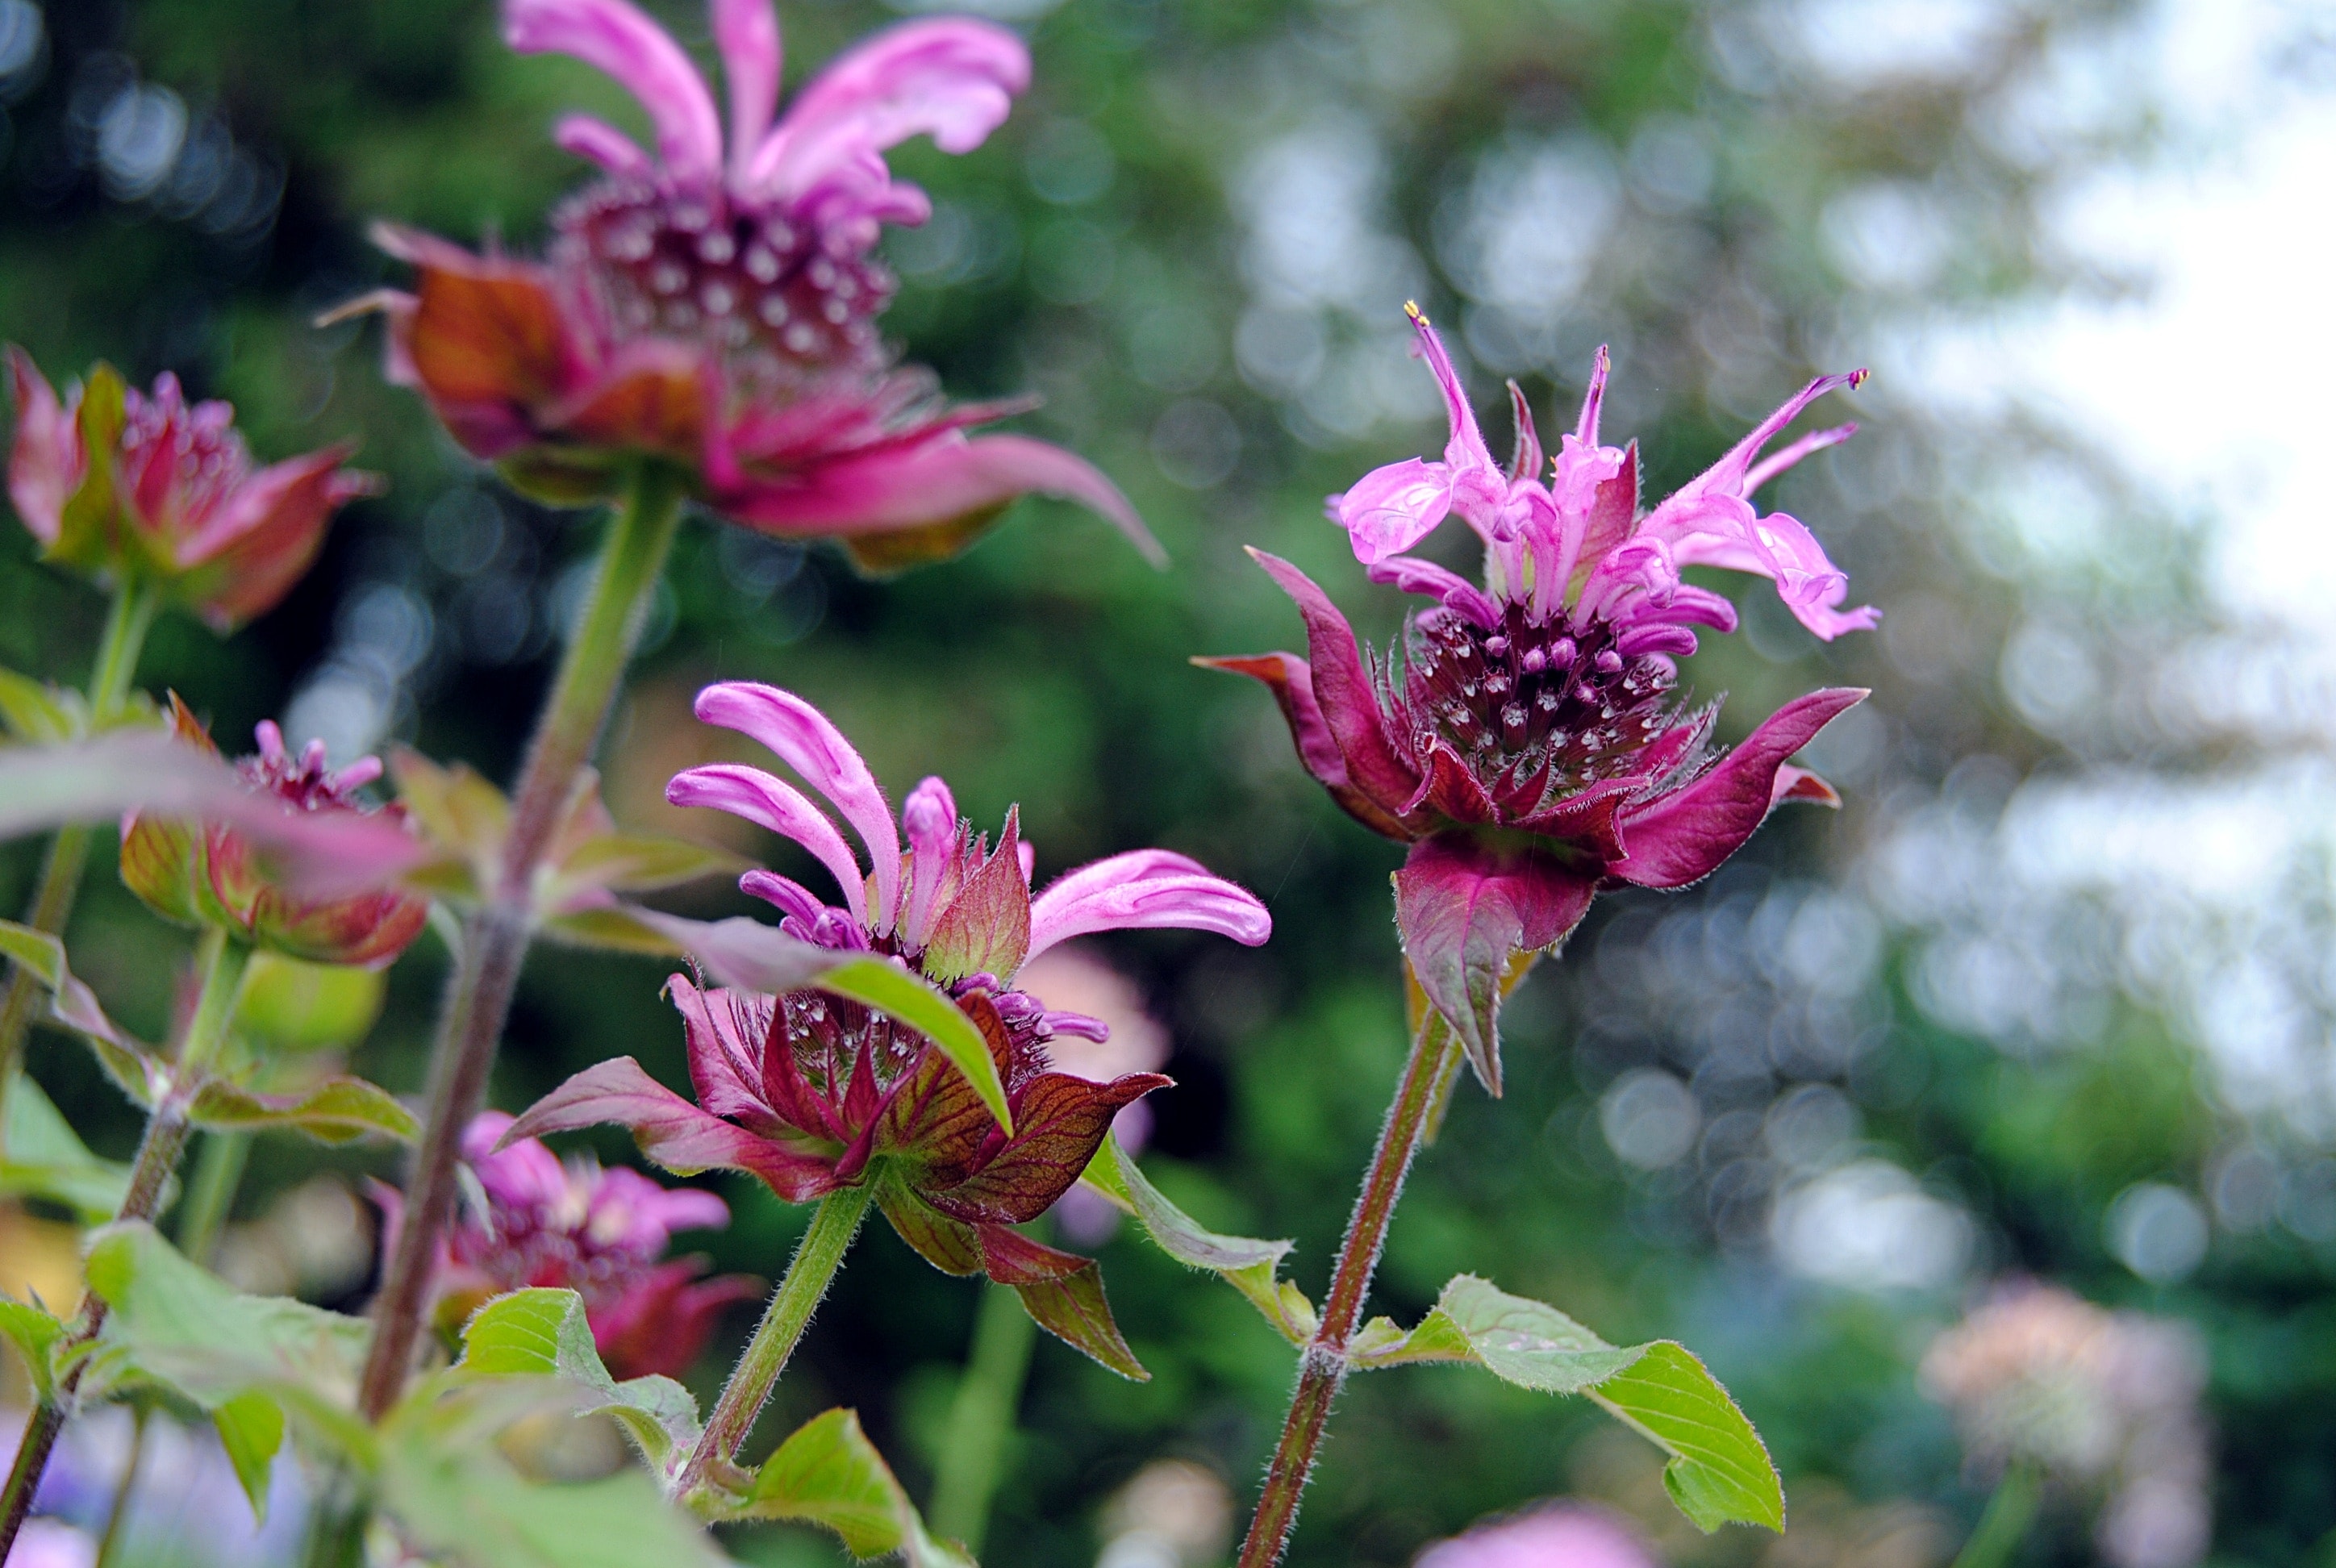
[(811, 1093), (718, 308), (1529, 745), (213, 872), (111, 479), (1553, 1535)]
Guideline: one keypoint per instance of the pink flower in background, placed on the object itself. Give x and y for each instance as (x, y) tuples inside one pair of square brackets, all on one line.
[(111, 479), (1528, 743), (1553, 1535), (53, 1544), (714, 306), (1072, 982), (810, 1092), (215, 872), (536, 1220)]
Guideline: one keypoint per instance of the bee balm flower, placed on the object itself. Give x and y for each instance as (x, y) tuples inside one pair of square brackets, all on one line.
[(111, 479), (201, 872), (715, 306), (812, 1093), (1528, 743)]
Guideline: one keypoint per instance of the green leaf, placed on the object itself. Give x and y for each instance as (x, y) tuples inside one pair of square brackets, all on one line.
[(36, 1332), (543, 1333), (1246, 1264), (74, 1007), (614, 928), (85, 528), (455, 1499), (334, 1111), (174, 1326), (251, 1430), (827, 1473), (46, 1159), (1719, 1472), (34, 711), (289, 1003)]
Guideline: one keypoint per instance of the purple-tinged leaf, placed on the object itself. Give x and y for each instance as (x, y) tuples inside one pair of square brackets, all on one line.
[(1064, 1295), (669, 1130), (1466, 907), (1062, 1121), (950, 1245)]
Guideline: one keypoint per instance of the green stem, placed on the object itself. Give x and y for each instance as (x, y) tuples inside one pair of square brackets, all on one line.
[(495, 938), (210, 1195), (1322, 1369), (126, 623), (981, 1417), (820, 1254), (220, 963), (119, 1510), (2009, 1515)]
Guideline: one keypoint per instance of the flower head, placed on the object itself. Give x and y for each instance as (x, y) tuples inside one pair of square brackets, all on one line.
[(715, 306), (533, 1219), (201, 872), (812, 1093), (2099, 1399), (111, 479), (1529, 742)]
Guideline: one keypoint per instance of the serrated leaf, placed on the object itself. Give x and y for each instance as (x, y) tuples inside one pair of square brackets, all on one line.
[(1719, 1473), (289, 1003), (174, 1326), (46, 1159), (827, 1473), (32, 710), (1074, 1309), (1246, 1264), (251, 1430), (336, 1111), (544, 1333), (614, 928), (36, 1332)]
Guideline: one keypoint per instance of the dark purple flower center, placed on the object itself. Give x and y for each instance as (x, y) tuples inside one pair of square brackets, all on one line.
[(828, 1036), (697, 264), (1536, 711)]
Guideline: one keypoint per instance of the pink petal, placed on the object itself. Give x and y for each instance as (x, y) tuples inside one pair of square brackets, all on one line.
[(1593, 399), (262, 539), (782, 893), (1683, 837), (1466, 909), (591, 138), (939, 481), (671, 1131), (930, 817), (1342, 687), (615, 37), (774, 804), (45, 464), (951, 78), (1770, 467), (1525, 458), (1455, 592), (1147, 890), (800, 735), (747, 34), (727, 1032), (1392, 508)]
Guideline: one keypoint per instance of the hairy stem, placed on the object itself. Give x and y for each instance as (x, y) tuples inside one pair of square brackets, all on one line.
[(220, 963), (495, 938), (1322, 1369), (981, 1417), (809, 1271), (109, 682), (2005, 1524)]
